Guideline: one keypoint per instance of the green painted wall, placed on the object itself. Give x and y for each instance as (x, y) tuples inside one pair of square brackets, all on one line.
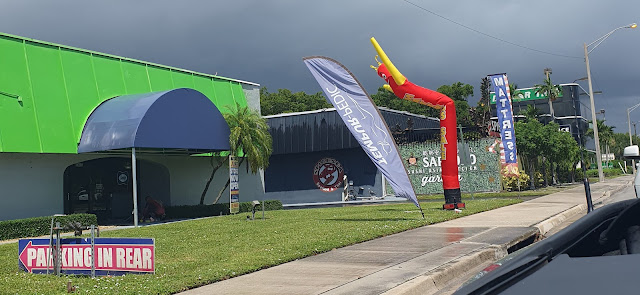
[(47, 91), (482, 175)]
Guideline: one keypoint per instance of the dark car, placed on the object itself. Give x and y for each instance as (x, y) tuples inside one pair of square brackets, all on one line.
[(598, 254)]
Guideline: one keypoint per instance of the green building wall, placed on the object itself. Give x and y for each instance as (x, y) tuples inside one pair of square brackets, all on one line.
[(47, 91)]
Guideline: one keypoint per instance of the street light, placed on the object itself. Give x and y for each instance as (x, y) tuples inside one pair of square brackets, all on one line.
[(633, 162), (597, 42)]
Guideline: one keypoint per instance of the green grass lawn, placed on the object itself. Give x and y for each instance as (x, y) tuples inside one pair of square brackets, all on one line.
[(198, 252)]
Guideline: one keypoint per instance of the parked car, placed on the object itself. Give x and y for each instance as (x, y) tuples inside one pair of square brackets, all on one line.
[(598, 254)]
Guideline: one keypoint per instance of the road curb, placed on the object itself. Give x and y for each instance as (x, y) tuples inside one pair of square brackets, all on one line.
[(546, 225), (438, 278)]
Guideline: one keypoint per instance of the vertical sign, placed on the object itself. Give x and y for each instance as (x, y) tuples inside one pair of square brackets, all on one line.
[(234, 189), (364, 121), (505, 122)]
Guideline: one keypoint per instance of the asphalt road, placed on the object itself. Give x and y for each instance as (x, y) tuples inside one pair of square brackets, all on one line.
[(624, 194)]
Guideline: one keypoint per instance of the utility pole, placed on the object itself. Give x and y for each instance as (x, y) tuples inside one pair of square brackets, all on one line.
[(594, 121)]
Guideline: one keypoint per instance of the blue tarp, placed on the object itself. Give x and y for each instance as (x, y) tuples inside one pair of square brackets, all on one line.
[(175, 119)]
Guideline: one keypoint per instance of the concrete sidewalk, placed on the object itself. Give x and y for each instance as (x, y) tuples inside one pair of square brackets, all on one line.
[(419, 261)]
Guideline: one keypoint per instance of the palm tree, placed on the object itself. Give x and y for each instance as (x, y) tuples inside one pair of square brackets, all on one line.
[(531, 113), (551, 91), (605, 134), (249, 139), (515, 93), (483, 108)]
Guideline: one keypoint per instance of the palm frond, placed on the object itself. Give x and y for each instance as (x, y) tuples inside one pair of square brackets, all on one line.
[(249, 136)]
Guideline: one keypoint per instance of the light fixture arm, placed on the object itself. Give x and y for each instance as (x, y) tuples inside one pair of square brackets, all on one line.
[(601, 39), (585, 91), (633, 107)]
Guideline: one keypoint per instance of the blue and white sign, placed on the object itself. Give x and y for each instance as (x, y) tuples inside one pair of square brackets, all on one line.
[(505, 116), (363, 119)]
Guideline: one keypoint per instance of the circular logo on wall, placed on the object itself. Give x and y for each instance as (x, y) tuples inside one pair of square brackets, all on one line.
[(328, 174), (123, 177)]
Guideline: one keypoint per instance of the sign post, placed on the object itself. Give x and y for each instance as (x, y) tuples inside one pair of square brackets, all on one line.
[(135, 187), (234, 189)]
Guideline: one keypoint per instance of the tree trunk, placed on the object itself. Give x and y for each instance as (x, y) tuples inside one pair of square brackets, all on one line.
[(213, 172), (227, 184), (532, 175), (545, 183), (222, 191), (551, 112)]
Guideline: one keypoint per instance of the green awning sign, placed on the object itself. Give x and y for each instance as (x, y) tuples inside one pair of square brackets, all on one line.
[(525, 94)]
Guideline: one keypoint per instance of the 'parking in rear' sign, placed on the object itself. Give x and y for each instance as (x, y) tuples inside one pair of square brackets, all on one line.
[(113, 256)]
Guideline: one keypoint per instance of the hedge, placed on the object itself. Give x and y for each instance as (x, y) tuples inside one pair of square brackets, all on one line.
[(606, 171), (192, 211), (40, 226)]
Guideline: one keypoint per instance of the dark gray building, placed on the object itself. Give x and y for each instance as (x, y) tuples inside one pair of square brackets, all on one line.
[(313, 151), (570, 110)]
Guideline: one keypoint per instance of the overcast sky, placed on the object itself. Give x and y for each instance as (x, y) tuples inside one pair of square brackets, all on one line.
[(263, 41)]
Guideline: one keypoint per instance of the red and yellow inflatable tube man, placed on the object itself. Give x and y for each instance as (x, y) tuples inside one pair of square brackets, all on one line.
[(404, 89)]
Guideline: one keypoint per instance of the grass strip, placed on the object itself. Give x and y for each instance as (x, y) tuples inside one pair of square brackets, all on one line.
[(198, 252)]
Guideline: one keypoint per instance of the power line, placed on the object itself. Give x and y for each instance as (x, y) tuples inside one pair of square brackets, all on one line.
[(487, 35)]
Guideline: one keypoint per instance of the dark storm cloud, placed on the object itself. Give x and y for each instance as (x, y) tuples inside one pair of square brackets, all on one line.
[(264, 41)]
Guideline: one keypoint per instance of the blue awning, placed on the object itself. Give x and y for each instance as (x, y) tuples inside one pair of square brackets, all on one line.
[(182, 119)]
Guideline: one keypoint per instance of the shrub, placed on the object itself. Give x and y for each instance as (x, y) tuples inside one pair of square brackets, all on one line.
[(511, 182), (40, 226), (564, 175), (607, 172), (539, 180), (193, 211)]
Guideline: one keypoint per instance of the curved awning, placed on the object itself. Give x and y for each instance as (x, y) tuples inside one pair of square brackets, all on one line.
[(182, 119)]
